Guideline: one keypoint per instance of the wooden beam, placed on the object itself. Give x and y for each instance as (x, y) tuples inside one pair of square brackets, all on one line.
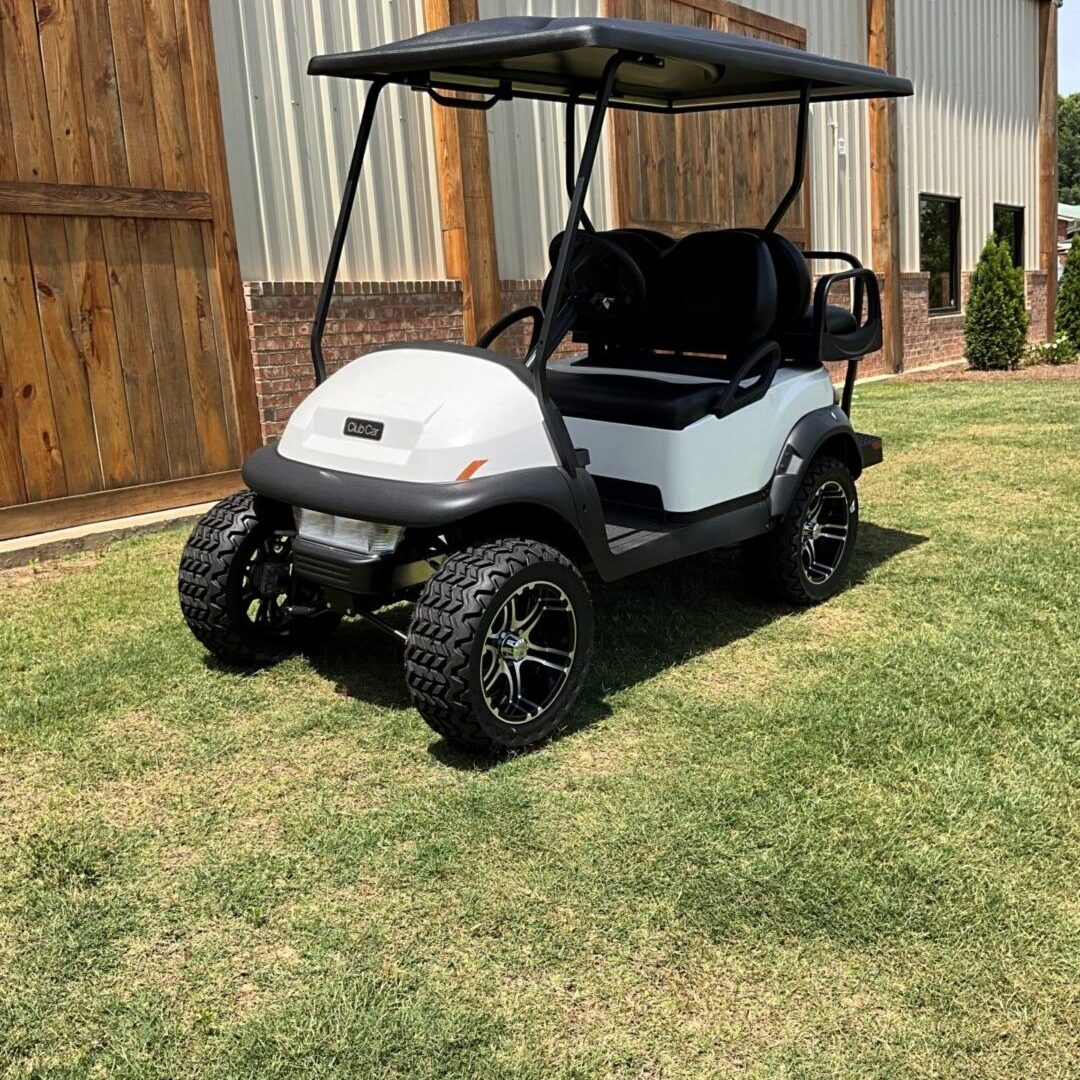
[(1048, 153), (82, 200), (885, 181), (64, 513), (228, 287), (465, 198)]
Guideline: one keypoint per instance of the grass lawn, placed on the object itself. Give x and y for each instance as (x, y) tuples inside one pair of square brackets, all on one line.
[(834, 843)]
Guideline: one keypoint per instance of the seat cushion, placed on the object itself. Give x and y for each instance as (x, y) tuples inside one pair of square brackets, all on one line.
[(628, 399), (838, 320)]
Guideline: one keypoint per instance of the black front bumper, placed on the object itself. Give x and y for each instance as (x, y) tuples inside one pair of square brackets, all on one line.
[(400, 502)]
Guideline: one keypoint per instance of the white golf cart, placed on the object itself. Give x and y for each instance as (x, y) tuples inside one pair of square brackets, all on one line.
[(698, 414)]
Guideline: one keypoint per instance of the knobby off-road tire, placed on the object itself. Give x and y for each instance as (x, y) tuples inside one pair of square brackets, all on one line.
[(499, 615), (235, 581), (790, 562)]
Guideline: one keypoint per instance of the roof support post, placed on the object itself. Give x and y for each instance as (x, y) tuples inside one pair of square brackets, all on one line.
[(885, 182), (570, 154), (1048, 153), (555, 321), (801, 139), (348, 198), (465, 197), (547, 343)]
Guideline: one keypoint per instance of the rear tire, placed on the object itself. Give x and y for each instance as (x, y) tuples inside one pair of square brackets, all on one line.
[(499, 644), (805, 559), (236, 585)]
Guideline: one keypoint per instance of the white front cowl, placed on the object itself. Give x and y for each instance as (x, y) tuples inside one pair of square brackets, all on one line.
[(421, 416)]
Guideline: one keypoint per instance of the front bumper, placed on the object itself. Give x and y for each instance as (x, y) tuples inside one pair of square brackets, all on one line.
[(399, 502)]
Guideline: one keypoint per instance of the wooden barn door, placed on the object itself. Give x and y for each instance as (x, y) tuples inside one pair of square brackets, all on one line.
[(707, 170), (125, 374)]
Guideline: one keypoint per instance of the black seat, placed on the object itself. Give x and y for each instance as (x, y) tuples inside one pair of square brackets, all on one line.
[(715, 292), (838, 320), (711, 292), (839, 333), (628, 399)]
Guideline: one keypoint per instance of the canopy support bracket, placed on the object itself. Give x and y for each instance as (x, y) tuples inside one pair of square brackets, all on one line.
[(801, 140), (348, 199)]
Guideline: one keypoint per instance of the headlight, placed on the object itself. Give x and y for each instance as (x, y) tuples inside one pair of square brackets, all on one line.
[(363, 537)]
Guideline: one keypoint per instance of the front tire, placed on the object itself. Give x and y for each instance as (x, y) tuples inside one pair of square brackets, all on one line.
[(237, 590), (499, 644), (805, 559)]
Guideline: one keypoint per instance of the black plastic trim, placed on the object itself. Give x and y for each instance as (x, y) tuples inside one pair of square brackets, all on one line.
[(398, 502), (871, 449), (338, 568), (806, 439)]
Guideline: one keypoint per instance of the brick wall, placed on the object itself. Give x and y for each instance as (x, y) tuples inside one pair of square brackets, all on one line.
[(363, 316), (367, 314)]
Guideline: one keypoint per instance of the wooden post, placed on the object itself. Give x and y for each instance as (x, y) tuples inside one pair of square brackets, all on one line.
[(464, 172), (1048, 153), (885, 181)]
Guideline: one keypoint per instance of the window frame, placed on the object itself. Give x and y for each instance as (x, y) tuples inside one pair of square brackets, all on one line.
[(953, 201), (1019, 234)]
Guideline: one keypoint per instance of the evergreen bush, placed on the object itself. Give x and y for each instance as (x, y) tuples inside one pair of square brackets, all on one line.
[(1068, 304), (997, 318)]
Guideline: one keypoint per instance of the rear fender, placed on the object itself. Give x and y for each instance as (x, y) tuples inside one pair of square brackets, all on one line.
[(824, 431)]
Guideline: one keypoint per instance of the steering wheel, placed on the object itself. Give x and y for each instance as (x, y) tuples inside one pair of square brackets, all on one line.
[(601, 274)]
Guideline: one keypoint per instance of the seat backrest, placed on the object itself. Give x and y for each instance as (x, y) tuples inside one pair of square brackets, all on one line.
[(711, 292), (715, 292), (644, 246), (793, 280)]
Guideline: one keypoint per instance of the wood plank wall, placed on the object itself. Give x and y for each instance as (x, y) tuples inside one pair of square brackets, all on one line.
[(465, 193), (1048, 155), (885, 181), (700, 171), (124, 356)]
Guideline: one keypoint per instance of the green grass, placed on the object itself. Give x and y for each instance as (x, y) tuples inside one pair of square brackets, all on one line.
[(836, 843)]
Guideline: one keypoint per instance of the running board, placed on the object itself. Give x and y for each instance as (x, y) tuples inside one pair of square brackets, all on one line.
[(635, 546)]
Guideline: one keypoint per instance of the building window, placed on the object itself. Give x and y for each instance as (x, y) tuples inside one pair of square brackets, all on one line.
[(939, 249), (1009, 226)]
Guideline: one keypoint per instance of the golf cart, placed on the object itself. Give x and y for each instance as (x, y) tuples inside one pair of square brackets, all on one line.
[(698, 413)]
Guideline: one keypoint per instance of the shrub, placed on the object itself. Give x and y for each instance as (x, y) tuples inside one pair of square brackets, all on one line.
[(997, 319), (1060, 350), (1068, 304)]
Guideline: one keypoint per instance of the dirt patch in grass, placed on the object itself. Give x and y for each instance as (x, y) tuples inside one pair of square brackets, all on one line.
[(39, 573), (1039, 372)]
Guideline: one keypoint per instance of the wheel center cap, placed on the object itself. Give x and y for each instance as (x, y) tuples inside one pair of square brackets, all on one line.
[(513, 647)]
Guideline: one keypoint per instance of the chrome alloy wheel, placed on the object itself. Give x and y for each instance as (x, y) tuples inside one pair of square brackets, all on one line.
[(528, 652), (825, 532)]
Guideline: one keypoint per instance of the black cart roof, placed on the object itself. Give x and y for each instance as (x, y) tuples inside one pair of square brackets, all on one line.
[(552, 59)]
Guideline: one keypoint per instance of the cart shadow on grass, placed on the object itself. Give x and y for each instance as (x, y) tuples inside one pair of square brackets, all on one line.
[(644, 625)]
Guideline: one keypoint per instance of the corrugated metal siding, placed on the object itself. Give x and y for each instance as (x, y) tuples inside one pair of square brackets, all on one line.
[(972, 129), (840, 184), (289, 138), (526, 146)]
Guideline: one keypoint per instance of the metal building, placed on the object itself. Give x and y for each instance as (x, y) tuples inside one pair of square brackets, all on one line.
[(966, 158)]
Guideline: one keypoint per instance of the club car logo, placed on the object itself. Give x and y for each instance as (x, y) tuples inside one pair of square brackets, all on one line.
[(364, 429)]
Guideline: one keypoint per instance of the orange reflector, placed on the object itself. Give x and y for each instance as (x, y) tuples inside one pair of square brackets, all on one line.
[(472, 468)]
